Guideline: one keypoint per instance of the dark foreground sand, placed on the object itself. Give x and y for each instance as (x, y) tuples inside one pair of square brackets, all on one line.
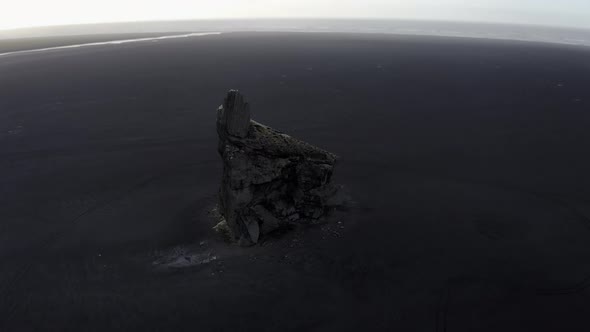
[(468, 161)]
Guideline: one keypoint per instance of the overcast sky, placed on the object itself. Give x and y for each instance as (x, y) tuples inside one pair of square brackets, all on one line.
[(26, 13)]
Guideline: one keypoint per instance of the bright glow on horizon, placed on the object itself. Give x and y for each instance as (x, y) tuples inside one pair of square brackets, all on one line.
[(30, 13)]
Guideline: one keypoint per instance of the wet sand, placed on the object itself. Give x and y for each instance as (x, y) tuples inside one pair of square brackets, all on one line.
[(467, 160)]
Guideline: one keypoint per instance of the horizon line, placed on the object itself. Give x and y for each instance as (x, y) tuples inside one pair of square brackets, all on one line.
[(459, 21)]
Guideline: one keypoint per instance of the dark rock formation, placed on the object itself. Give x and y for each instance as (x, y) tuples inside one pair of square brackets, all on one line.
[(270, 180)]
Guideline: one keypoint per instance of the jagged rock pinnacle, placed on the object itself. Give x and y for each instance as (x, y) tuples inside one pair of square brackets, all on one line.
[(234, 115), (270, 180)]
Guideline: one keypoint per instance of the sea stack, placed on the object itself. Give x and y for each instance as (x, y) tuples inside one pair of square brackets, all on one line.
[(270, 180)]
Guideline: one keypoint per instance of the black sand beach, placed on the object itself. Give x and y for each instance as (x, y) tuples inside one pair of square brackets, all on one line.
[(467, 160)]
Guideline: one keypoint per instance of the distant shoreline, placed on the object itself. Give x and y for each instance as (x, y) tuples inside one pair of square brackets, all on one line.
[(528, 33), (106, 42), (24, 46)]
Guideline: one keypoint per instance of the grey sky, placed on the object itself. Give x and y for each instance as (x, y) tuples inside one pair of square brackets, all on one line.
[(25, 13)]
